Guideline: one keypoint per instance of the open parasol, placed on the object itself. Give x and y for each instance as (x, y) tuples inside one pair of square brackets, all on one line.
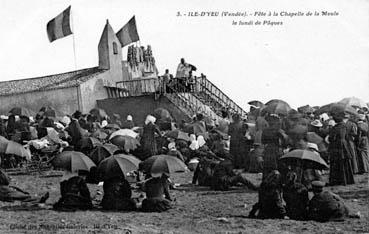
[(125, 142), (12, 147), (354, 101), (124, 132), (162, 164), (102, 152), (278, 107), (72, 161), (117, 165), (256, 103), (311, 159)]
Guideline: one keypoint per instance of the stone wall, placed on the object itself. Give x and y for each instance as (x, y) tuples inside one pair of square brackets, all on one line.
[(140, 107), (63, 100)]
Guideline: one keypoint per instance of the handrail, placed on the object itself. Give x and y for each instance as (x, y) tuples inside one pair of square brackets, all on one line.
[(190, 102), (196, 89), (212, 90), (140, 86)]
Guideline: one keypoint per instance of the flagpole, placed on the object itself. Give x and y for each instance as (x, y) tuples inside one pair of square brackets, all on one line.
[(74, 42)]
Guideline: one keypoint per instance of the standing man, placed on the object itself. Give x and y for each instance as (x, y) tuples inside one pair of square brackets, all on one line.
[(237, 131), (166, 80), (184, 71)]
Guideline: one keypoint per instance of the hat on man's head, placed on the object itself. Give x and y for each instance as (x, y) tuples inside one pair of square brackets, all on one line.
[(317, 185)]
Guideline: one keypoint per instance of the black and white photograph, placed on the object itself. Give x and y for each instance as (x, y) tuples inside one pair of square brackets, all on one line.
[(193, 116)]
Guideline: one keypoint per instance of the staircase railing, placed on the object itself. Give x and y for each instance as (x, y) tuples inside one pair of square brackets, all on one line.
[(140, 87), (188, 102), (212, 91)]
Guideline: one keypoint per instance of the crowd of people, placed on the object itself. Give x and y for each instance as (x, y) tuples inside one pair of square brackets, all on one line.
[(219, 152)]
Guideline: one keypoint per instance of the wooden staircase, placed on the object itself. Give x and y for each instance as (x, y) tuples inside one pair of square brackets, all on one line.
[(200, 96)]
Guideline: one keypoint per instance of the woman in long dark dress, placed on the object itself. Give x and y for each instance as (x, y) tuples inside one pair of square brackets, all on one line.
[(296, 197), (117, 195), (351, 134), (341, 172), (272, 139), (148, 140), (270, 204), (237, 149), (363, 145), (157, 195), (75, 194)]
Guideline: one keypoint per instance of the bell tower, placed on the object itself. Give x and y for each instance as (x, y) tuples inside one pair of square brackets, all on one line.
[(110, 53)]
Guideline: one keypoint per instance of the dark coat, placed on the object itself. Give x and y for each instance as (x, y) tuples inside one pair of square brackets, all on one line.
[(297, 198), (148, 141), (341, 172), (272, 140), (74, 195), (157, 195), (351, 134), (237, 146), (117, 195), (327, 206)]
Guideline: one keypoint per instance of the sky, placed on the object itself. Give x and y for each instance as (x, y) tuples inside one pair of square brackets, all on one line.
[(307, 60)]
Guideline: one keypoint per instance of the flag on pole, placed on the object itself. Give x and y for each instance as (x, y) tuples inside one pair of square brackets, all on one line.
[(59, 27), (128, 33)]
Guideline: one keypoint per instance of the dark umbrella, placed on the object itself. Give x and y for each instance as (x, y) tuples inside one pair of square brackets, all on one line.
[(162, 164), (117, 165), (354, 101), (3, 144), (127, 143), (278, 107), (256, 103), (89, 143), (73, 161), (111, 147), (324, 109), (112, 126), (15, 148), (178, 134), (338, 108), (102, 152), (313, 159), (275, 101)]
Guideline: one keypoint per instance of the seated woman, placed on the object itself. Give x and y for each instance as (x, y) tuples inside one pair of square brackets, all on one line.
[(270, 204), (296, 197), (224, 177), (204, 171), (326, 206), (117, 195), (11, 193), (157, 195), (75, 194)]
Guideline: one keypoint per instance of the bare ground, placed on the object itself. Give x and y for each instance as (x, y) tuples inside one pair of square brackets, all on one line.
[(196, 210)]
